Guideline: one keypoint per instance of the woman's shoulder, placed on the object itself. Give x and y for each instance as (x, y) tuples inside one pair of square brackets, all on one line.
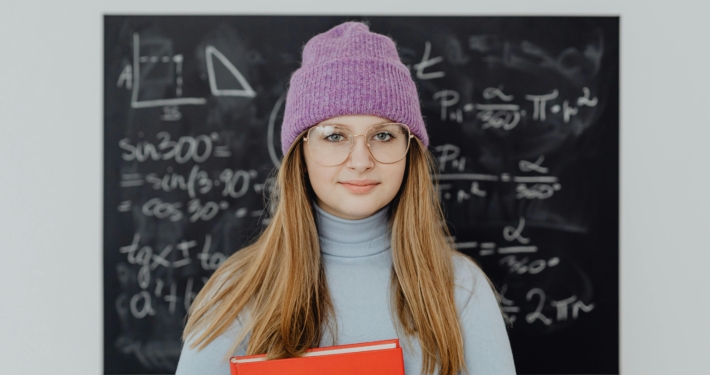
[(212, 358), (482, 321), (471, 284), (467, 273)]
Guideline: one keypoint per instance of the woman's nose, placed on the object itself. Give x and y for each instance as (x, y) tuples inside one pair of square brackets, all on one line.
[(360, 157)]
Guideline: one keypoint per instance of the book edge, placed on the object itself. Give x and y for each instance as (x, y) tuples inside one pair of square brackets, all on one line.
[(352, 349)]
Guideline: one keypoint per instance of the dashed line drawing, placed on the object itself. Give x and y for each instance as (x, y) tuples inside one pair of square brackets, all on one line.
[(178, 71), (247, 91), (135, 103)]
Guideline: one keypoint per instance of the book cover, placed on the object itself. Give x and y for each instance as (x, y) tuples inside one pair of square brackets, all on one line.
[(372, 358)]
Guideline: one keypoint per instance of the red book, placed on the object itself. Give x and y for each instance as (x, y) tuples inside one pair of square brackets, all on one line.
[(366, 358)]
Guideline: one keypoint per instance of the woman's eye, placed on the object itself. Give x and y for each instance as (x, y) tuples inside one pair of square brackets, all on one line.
[(383, 137), (334, 137)]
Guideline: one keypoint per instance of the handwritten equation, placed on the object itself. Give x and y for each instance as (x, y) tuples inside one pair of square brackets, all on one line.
[(542, 186), (505, 115), (231, 183), (154, 290), (520, 256)]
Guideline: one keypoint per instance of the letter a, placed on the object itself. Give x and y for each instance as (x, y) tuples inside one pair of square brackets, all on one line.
[(126, 76)]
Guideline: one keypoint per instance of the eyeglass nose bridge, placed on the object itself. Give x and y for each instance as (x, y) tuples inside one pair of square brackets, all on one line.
[(352, 146), (353, 142)]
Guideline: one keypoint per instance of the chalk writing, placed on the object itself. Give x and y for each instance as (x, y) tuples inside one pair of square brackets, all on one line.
[(154, 48), (507, 115), (426, 62), (196, 149)]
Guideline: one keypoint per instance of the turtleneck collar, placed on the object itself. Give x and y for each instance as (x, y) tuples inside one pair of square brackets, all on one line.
[(353, 238)]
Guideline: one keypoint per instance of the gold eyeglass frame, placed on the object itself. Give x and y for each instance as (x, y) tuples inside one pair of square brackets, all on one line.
[(352, 143)]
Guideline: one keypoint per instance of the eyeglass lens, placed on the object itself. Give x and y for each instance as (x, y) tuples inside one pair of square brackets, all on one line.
[(331, 144)]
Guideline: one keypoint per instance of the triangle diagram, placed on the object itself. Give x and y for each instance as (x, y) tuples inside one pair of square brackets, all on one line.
[(210, 53)]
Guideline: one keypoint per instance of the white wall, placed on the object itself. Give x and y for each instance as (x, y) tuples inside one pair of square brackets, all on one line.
[(51, 171)]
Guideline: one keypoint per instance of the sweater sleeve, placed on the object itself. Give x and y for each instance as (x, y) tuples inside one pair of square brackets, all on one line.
[(486, 345)]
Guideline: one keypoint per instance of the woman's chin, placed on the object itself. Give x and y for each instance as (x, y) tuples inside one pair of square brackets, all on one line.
[(354, 210)]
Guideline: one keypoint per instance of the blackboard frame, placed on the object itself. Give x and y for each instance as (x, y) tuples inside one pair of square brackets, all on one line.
[(601, 144)]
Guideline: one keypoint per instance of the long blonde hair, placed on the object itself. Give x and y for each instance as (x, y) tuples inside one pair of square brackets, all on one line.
[(280, 277)]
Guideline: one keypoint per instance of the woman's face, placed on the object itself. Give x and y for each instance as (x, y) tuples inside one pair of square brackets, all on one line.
[(335, 188)]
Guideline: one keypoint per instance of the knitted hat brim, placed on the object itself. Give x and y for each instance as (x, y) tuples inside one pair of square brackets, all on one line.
[(349, 87)]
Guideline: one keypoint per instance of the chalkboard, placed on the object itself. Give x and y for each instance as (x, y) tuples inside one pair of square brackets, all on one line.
[(523, 116)]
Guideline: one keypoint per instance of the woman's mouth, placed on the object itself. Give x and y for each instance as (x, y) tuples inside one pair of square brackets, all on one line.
[(359, 187)]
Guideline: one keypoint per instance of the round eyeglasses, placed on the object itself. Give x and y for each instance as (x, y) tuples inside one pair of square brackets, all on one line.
[(330, 144)]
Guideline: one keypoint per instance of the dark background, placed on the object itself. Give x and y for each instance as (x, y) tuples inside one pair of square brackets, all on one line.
[(577, 225)]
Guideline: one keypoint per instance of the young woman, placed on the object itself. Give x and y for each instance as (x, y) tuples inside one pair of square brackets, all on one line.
[(356, 248)]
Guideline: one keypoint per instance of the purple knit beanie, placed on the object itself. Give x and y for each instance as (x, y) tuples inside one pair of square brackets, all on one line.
[(349, 70)]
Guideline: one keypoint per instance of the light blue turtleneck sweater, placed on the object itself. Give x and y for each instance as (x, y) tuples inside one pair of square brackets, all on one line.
[(357, 260)]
